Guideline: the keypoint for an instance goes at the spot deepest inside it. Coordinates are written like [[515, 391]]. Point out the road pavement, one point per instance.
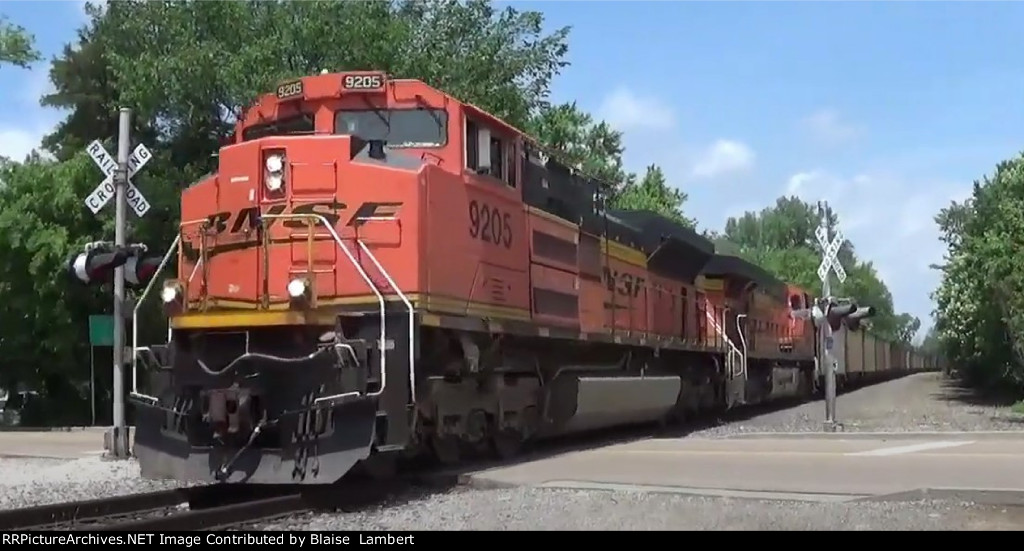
[[57, 444], [837, 467]]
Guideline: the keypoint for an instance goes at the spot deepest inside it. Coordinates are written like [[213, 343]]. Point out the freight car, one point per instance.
[[378, 270]]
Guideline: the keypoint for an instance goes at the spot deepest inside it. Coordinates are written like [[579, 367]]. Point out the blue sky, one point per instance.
[[888, 110]]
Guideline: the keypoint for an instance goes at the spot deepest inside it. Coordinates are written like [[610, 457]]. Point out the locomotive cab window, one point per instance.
[[488, 153], [795, 302], [395, 127], [291, 126]]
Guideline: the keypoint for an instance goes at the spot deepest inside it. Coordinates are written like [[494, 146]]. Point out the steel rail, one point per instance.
[[42, 516], [215, 517]]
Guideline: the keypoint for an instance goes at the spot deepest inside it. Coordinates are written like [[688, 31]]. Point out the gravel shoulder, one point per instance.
[[33, 481], [918, 402], [551, 509]]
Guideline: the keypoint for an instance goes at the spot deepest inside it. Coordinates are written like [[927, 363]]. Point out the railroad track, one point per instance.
[[201, 508], [103, 513]]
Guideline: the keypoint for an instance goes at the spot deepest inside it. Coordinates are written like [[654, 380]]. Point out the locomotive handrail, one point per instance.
[[731, 347], [743, 341], [367, 280], [412, 319], [135, 322], [201, 262]]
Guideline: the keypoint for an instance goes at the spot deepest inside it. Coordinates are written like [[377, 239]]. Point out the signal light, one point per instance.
[[835, 313], [853, 320], [97, 265], [139, 270]]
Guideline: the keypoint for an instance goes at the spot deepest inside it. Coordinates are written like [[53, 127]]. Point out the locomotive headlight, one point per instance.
[[297, 288], [274, 177], [300, 293], [275, 163], [173, 296], [168, 294]]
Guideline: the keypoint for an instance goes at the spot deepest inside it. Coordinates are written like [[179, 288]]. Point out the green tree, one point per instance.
[[16, 44], [654, 194], [592, 147], [42, 337], [980, 300]]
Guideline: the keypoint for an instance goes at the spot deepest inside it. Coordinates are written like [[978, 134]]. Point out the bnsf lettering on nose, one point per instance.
[[247, 219]]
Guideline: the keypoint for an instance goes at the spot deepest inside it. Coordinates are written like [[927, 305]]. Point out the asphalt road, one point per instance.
[[823, 467]]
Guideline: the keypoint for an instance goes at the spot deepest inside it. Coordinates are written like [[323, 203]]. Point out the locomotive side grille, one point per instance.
[[547, 245]]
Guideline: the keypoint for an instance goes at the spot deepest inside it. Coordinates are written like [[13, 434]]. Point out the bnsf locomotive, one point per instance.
[[379, 270]]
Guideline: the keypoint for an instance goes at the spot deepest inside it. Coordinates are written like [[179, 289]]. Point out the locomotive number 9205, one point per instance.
[[490, 224]]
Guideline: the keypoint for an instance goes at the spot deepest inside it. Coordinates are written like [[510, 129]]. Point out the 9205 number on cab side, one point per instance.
[[490, 224]]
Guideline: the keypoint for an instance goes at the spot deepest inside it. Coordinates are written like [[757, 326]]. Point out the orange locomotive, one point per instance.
[[378, 269]]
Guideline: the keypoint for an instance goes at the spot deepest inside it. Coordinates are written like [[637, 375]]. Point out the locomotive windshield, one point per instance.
[[297, 125], [396, 127]]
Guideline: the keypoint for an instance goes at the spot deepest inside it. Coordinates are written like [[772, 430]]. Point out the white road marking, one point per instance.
[[899, 450]]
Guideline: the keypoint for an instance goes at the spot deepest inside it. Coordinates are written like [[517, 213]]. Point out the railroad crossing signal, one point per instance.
[[106, 191], [830, 258]]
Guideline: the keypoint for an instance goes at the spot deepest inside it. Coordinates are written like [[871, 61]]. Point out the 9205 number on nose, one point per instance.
[[490, 224]]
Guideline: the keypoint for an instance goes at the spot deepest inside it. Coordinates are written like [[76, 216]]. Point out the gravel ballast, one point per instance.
[[921, 402], [552, 509], [35, 481]]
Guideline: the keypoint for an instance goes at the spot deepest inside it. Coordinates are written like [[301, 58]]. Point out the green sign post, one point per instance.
[[101, 333]]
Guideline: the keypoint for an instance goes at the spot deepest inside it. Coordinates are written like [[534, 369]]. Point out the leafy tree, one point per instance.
[[980, 300], [42, 336], [16, 45], [595, 148], [654, 194]]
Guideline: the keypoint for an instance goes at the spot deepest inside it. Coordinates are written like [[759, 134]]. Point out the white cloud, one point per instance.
[[16, 143], [828, 126], [625, 110], [723, 157]]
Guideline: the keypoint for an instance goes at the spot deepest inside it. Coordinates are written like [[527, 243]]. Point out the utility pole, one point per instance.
[[119, 434]]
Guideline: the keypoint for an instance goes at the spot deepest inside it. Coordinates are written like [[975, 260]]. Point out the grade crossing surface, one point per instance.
[[55, 444], [840, 466]]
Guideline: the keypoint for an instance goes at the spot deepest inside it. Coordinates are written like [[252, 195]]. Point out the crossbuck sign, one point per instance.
[[829, 259], [105, 191]]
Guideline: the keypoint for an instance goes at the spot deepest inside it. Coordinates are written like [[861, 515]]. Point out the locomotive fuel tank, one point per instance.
[[581, 402]]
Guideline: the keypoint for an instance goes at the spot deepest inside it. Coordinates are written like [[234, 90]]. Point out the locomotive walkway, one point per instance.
[[981, 466]]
